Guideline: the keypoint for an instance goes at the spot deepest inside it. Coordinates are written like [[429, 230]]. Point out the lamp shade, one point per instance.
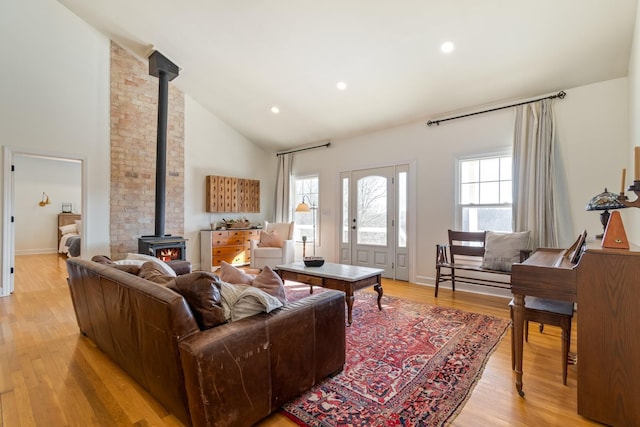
[[303, 207], [604, 201]]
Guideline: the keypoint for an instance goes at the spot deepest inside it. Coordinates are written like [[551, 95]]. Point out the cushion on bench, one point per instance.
[[503, 249]]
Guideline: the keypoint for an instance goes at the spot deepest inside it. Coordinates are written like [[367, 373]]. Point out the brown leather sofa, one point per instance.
[[233, 374]]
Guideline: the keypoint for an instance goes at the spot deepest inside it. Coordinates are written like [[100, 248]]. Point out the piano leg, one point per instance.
[[517, 337]]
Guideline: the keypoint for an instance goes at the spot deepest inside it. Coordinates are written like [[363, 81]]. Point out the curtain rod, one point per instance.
[[282, 153], [560, 95]]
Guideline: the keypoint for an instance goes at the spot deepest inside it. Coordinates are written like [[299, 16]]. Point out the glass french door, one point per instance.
[[373, 232]]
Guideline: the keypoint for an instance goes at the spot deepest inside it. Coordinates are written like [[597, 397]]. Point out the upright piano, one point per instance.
[[605, 283]]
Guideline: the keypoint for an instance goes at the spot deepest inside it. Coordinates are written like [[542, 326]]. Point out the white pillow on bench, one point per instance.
[[503, 249]]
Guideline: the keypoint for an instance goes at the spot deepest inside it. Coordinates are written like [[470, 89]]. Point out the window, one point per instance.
[[402, 209], [345, 210], [305, 189], [484, 193]]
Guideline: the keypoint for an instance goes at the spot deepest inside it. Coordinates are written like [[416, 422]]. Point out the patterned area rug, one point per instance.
[[410, 364]]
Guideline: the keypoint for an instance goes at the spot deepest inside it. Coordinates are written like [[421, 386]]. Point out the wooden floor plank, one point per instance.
[[48, 370]]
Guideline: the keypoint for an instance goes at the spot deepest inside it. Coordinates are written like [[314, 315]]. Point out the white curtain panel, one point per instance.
[[534, 205], [282, 210]]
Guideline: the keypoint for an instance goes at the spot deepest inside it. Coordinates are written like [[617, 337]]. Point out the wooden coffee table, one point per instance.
[[342, 277]]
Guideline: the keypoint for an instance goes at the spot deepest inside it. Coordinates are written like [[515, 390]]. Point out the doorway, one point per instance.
[[374, 220], [14, 211]]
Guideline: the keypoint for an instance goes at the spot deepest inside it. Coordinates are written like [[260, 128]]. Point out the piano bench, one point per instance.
[[549, 312]]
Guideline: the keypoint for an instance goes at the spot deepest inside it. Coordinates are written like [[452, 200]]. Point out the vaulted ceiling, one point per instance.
[[239, 59]]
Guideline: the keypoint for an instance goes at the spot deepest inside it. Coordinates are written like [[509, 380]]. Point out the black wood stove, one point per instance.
[[167, 248], [160, 245]]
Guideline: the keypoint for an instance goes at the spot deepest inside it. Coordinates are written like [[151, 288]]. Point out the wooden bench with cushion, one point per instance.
[[479, 253]]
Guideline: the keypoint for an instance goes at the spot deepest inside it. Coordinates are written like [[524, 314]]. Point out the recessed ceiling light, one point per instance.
[[275, 110], [341, 86], [447, 47]]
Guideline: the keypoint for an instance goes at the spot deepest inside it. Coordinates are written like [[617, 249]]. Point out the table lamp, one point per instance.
[[604, 201]]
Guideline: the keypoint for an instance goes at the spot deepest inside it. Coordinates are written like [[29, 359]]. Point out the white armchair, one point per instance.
[[272, 256]]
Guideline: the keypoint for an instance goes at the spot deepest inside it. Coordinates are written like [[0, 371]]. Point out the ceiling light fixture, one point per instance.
[[275, 110], [447, 47], [341, 86]]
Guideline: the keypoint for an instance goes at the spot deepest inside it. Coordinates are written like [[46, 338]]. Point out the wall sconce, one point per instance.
[[45, 200]]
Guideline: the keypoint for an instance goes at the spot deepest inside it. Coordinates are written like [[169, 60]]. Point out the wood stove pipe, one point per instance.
[[165, 70]]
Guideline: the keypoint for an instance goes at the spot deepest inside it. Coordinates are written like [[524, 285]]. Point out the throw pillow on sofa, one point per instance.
[[240, 301], [230, 274], [127, 268], [267, 280], [142, 257], [270, 282], [253, 301], [154, 273], [201, 290]]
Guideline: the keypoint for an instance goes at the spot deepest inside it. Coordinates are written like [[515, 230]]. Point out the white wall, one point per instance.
[[214, 148], [55, 97], [593, 131], [55, 100], [592, 138], [631, 217], [36, 227]]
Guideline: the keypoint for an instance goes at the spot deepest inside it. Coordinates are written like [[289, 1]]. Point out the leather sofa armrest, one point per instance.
[[180, 266], [253, 360]]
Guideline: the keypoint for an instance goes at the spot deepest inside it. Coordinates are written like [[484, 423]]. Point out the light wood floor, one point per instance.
[[50, 375]]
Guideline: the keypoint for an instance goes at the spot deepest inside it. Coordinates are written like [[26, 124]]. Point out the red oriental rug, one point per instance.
[[410, 364]]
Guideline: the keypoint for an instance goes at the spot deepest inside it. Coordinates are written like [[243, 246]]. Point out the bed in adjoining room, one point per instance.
[[69, 234]]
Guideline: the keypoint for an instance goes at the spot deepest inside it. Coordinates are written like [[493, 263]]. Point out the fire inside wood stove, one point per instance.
[[169, 254], [167, 248]]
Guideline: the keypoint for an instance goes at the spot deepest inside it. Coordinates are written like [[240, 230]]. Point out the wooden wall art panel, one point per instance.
[[227, 194]]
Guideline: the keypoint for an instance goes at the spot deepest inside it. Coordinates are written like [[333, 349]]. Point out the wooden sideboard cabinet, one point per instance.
[[231, 246], [608, 342]]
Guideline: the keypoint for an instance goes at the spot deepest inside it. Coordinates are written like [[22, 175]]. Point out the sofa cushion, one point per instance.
[[229, 294], [127, 268], [270, 282], [503, 249], [201, 290], [253, 301], [145, 258], [270, 239], [240, 301], [154, 273], [102, 259], [230, 274]]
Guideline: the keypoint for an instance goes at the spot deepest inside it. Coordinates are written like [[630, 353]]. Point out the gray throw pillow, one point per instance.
[[503, 249]]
